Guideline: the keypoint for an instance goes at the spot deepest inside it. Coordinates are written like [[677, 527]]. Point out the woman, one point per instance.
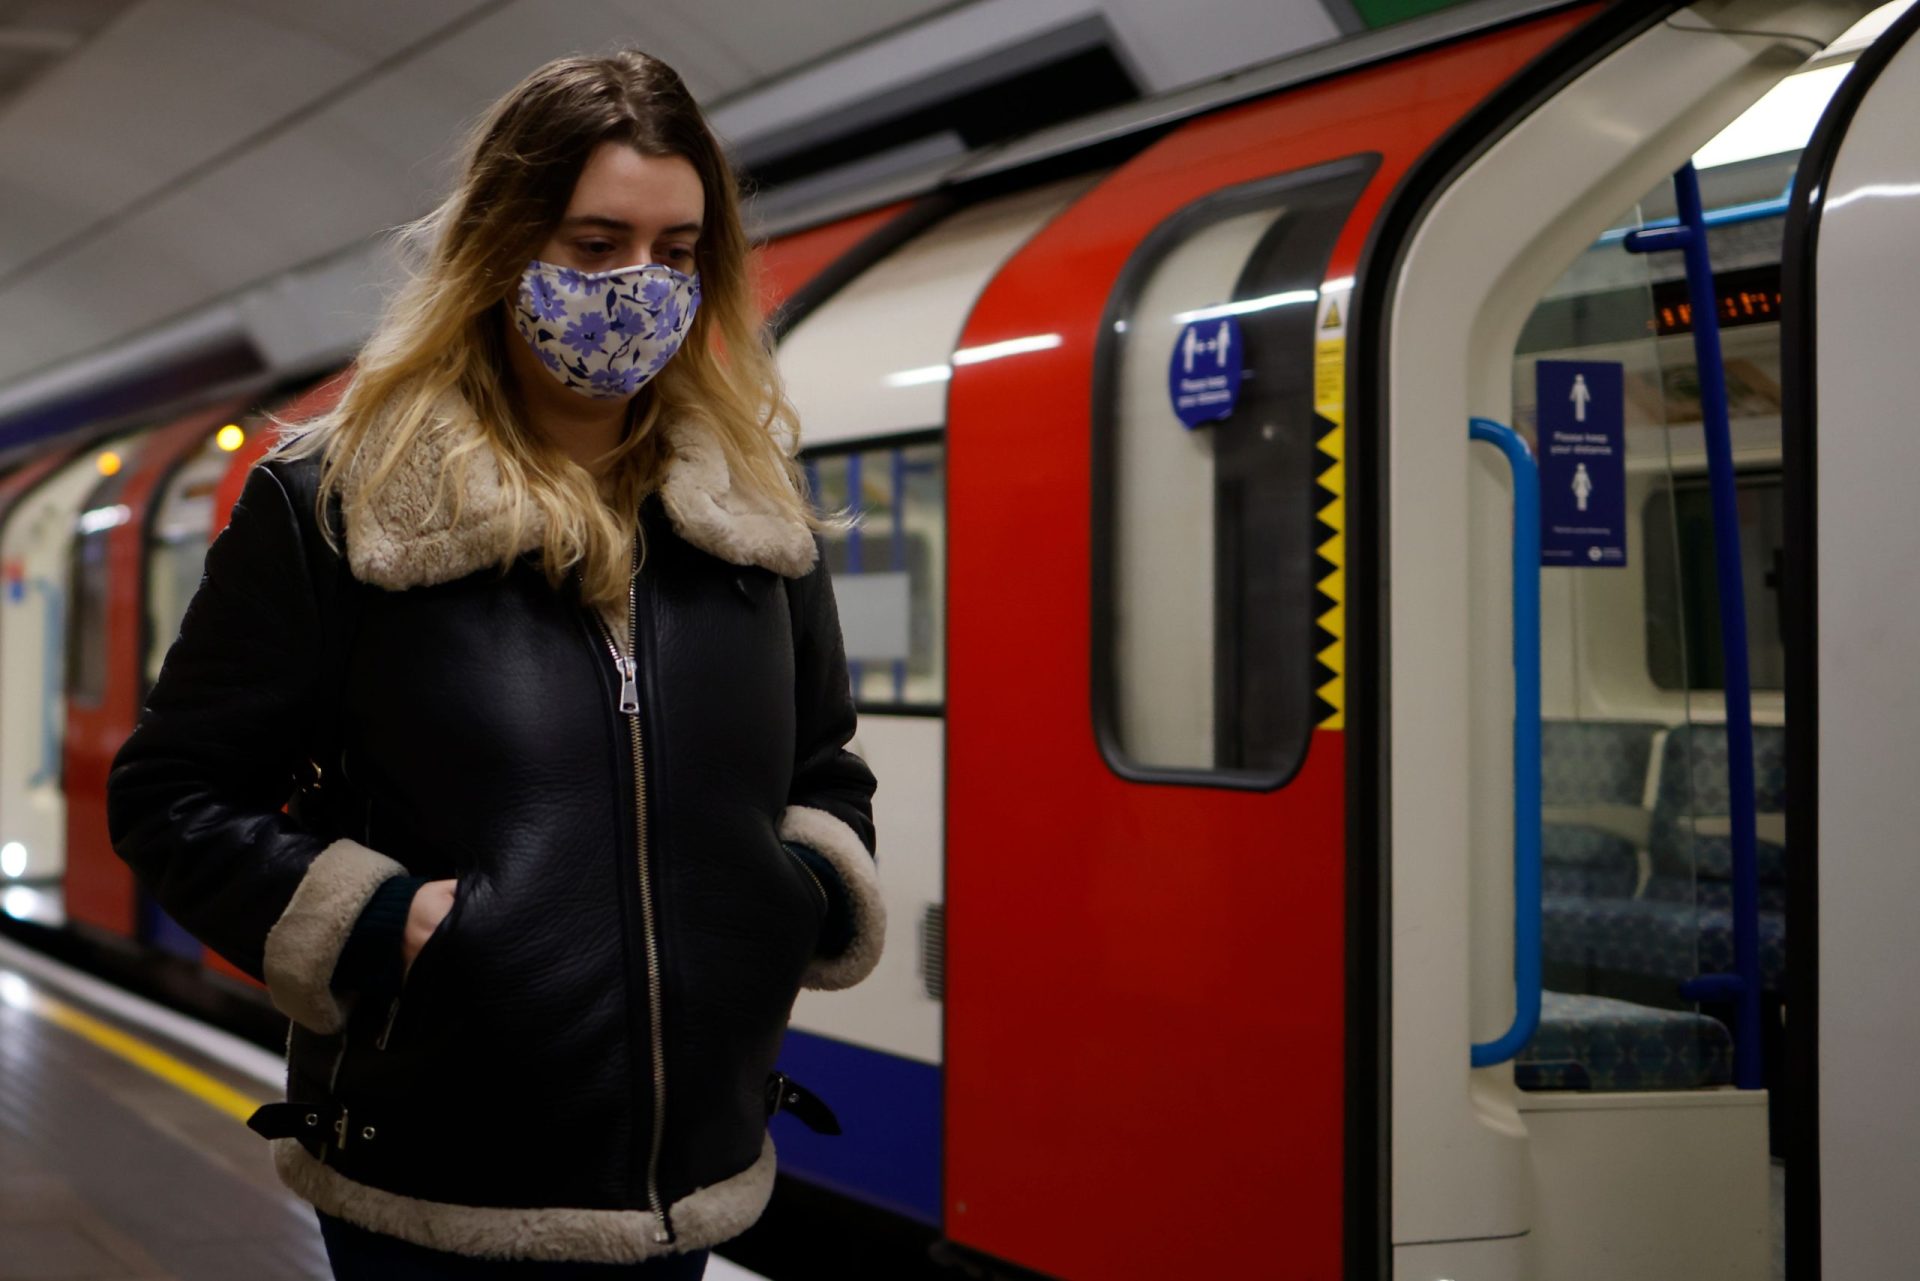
[[536, 622]]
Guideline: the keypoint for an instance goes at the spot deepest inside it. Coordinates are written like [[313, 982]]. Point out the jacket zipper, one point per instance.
[[393, 1011], [629, 706], [825, 902]]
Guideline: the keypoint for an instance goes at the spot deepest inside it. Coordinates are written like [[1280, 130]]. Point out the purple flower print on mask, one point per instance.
[[605, 333], [586, 335], [615, 382], [629, 323], [543, 300]]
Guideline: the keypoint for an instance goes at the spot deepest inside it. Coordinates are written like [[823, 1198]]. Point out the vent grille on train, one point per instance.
[[933, 951]]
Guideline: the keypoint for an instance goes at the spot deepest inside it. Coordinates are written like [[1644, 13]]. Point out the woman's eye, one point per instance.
[[595, 248]]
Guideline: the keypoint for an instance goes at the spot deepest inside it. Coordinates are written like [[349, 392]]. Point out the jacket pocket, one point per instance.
[[817, 890], [416, 989]]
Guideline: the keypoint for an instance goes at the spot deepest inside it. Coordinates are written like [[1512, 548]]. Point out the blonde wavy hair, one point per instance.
[[441, 331]]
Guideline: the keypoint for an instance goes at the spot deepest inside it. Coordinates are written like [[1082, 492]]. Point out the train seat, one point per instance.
[[1678, 921], [1652, 938], [1593, 786], [1599, 1043], [1691, 837]]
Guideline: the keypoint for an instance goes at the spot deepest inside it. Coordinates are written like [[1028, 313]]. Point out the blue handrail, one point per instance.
[[1731, 215], [1526, 743], [1690, 238]]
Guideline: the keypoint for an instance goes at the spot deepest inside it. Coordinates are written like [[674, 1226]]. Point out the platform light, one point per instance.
[[15, 991], [24, 903], [230, 437], [108, 462], [13, 859], [92, 522]]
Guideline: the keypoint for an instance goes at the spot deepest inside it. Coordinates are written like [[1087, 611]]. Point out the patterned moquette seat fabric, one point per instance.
[[1598, 1043], [1692, 843], [1591, 771]]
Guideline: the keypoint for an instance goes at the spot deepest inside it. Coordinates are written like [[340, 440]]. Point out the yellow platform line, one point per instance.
[[214, 1093]]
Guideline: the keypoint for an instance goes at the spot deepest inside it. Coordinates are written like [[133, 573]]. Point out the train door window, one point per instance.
[[89, 587], [1690, 655], [177, 543], [889, 570], [1209, 551]]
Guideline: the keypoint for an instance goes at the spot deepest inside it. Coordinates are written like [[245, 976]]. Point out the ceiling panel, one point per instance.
[[161, 94], [185, 152], [36, 35]]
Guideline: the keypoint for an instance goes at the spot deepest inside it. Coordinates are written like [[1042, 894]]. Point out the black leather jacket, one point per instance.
[[579, 1063]]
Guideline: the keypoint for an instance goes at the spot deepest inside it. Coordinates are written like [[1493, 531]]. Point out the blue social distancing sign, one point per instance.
[[1203, 378], [1583, 463]]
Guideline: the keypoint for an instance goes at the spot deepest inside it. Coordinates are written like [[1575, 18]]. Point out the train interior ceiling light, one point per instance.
[[1783, 120]]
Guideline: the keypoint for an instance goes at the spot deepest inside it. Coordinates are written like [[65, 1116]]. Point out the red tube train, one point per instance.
[[1180, 621]]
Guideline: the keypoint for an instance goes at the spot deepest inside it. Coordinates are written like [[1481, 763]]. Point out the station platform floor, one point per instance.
[[124, 1152]]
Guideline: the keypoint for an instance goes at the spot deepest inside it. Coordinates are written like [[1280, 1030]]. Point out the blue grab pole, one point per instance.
[[1526, 743], [1690, 238]]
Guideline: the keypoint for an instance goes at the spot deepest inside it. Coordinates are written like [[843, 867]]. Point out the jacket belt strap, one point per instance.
[[333, 1122], [807, 1107]]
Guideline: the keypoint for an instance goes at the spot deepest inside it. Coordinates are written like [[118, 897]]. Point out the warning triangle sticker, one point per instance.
[[1332, 318]]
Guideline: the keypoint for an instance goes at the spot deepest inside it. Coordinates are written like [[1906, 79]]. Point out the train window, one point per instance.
[[87, 627], [1205, 542], [90, 575], [889, 571], [1684, 649], [177, 546]]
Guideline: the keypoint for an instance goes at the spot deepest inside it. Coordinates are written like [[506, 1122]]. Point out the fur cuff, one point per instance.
[[821, 831], [304, 944], [701, 1219]]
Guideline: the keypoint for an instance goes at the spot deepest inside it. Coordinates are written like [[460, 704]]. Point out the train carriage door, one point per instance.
[[1150, 1071], [1853, 270], [1566, 898], [878, 304], [37, 545], [106, 668]]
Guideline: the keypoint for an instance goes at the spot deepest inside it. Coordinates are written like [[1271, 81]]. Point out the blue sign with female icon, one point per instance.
[[1583, 463]]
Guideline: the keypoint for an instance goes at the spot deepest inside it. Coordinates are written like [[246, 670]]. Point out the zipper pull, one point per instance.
[[629, 688]]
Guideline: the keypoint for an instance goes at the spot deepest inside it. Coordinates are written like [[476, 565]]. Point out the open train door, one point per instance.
[[1852, 270], [1543, 905], [1160, 1027]]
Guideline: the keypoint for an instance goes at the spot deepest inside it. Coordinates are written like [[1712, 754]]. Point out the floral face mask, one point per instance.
[[605, 333]]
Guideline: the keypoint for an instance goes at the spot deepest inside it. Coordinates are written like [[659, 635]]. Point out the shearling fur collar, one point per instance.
[[408, 539]]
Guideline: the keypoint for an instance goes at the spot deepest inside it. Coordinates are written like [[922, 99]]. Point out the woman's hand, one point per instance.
[[431, 903]]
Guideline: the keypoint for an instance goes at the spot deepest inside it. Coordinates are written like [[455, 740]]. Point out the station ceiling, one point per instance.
[[161, 157]]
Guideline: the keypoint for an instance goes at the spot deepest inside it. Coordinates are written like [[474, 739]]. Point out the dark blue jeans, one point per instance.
[[359, 1255]]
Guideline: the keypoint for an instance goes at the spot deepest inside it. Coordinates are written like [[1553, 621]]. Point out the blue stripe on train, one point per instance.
[[889, 1108]]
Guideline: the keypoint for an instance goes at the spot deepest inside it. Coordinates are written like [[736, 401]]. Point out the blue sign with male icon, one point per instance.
[[1583, 463]]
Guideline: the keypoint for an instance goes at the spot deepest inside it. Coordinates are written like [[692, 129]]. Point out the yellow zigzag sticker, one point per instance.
[[1330, 402]]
